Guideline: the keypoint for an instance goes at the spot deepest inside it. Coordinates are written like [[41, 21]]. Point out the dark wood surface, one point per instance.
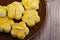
[[33, 30]]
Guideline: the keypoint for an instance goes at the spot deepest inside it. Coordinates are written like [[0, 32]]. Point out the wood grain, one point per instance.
[[51, 29]]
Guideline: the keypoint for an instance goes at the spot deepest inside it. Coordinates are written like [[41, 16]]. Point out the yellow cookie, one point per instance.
[[3, 11], [30, 17], [31, 4]]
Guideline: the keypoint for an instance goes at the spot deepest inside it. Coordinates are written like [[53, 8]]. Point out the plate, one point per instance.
[[33, 30]]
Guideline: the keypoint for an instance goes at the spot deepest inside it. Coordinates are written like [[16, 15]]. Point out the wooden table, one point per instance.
[[51, 30]]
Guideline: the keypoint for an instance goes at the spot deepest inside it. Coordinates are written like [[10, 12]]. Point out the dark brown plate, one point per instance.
[[33, 30]]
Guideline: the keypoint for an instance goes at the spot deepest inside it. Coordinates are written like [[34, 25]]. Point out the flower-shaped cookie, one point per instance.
[[15, 10], [2, 11], [19, 30], [30, 17], [31, 4], [5, 24]]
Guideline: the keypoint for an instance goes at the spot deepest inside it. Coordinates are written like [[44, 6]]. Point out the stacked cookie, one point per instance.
[[24, 11]]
